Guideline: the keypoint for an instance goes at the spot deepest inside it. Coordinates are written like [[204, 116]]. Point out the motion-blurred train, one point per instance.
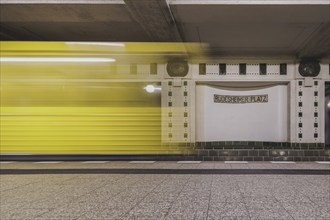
[[84, 98]]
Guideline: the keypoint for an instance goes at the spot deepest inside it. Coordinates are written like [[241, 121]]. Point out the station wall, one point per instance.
[[254, 121]]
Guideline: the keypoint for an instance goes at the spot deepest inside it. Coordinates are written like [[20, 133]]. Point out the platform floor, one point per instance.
[[303, 194]]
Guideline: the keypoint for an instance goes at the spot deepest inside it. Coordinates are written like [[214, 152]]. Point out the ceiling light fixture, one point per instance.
[[97, 44], [151, 88], [57, 59]]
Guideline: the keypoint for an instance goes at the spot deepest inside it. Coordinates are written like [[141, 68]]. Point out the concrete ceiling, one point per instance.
[[231, 28]]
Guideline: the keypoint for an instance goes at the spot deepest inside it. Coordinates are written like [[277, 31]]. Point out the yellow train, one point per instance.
[[81, 98]]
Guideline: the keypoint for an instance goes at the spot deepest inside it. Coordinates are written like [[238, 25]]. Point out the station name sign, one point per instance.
[[240, 99]]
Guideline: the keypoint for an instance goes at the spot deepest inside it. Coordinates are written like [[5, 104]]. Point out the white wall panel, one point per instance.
[[242, 122]]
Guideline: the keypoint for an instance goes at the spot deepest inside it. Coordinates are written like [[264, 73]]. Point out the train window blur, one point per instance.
[[86, 97], [56, 92]]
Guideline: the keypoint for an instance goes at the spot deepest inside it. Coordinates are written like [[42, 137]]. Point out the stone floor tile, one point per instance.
[[187, 166], [259, 165], [290, 196], [161, 197], [75, 208], [228, 211], [292, 199], [226, 197], [22, 214], [269, 214], [110, 211], [321, 201], [255, 201], [235, 218], [324, 211], [137, 196], [254, 192], [304, 210], [221, 165], [148, 210], [206, 165], [69, 212], [239, 166], [179, 214], [189, 205], [165, 165], [265, 208]]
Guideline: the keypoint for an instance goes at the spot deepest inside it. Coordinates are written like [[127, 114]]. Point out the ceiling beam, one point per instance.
[[248, 2], [155, 18], [6, 34], [317, 45], [62, 2], [12, 33]]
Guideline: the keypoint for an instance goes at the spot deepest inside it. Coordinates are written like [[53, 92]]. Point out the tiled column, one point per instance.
[[178, 104]]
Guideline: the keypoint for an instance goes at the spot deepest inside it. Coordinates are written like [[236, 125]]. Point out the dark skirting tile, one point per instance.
[[322, 153], [214, 143], [273, 144], [321, 145], [208, 144], [208, 147], [300, 153], [247, 158], [198, 158], [320, 158], [253, 153], [231, 158], [213, 153], [242, 153], [295, 146], [313, 158], [316, 153], [233, 153], [304, 158], [293, 153], [203, 152], [219, 158], [266, 144], [312, 146], [189, 158], [263, 153], [258, 158], [241, 147], [289, 158], [228, 146], [304, 146], [308, 153], [268, 158], [278, 158], [224, 152], [218, 147], [277, 153], [208, 158], [297, 158]]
